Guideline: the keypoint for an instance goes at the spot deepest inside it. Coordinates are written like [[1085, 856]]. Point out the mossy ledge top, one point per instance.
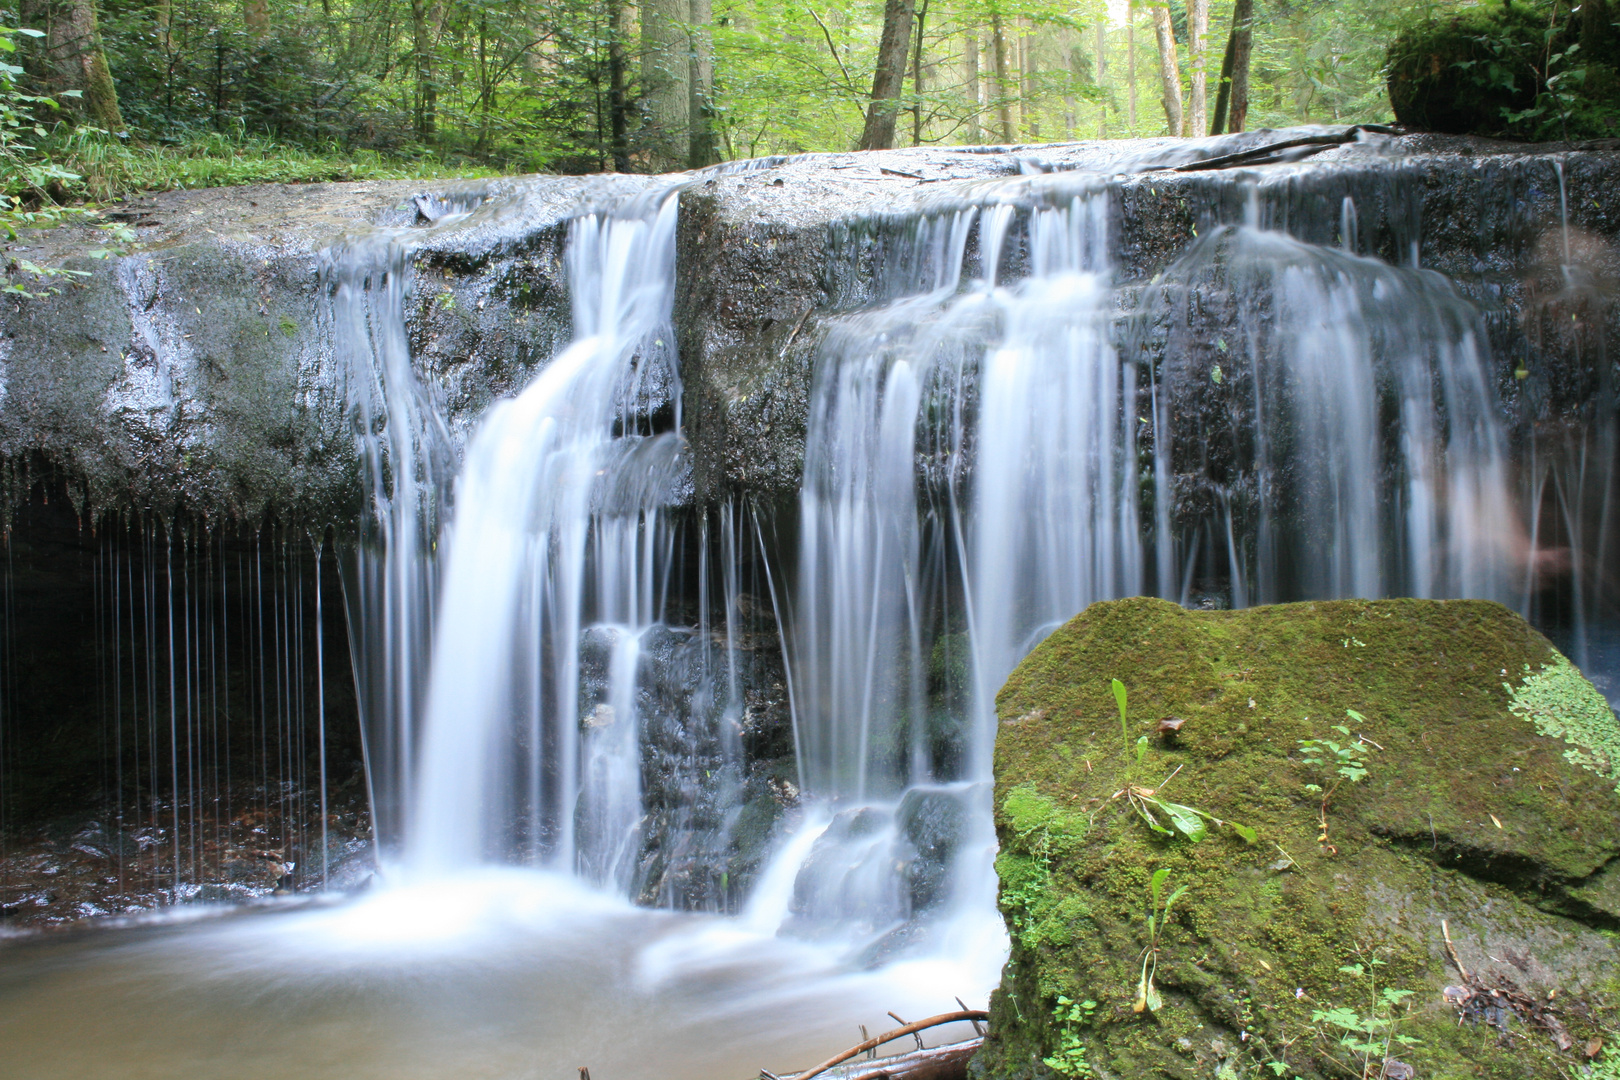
[[1488, 807]]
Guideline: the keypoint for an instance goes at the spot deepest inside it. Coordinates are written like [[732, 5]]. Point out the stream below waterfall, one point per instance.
[[560, 664]]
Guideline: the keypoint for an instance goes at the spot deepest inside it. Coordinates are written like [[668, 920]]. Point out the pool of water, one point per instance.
[[495, 974]]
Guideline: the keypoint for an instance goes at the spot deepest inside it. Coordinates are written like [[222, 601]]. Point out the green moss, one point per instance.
[[1467, 813], [1504, 70], [1560, 702]]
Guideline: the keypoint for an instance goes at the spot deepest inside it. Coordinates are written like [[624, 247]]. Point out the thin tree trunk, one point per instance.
[[998, 58], [1130, 63], [1232, 97], [1102, 75], [704, 147], [70, 57], [970, 52], [1031, 121], [917, 77], [1597, 29], [427, 90], [256, 17], [888, 81], [1197, 31], [618, 107], [1169, 68], [665, 74], [1238, 111]]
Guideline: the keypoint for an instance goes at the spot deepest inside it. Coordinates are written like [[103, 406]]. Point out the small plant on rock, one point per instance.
[[1179, 819], [1147, 995], [1344, 763], [1070, 1058], [1369, 1038]]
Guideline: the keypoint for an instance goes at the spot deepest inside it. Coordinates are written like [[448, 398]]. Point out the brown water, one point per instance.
[[504, 975]]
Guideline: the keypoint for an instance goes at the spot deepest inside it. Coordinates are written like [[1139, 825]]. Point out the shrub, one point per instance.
[[1514, 70]]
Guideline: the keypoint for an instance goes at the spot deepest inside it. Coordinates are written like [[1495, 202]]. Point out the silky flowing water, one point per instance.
[[1011, 432]]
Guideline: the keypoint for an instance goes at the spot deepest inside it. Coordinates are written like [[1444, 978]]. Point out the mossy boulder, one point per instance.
[[1480, 802], [1510, 70]]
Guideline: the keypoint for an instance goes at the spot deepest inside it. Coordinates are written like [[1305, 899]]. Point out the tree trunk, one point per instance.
[[1197, 31], [1102, 75], [618, 107], [1232, 99], [998, 59], [1597, 31], [970, 51], [1130, 63], [889, 79], [70, 57], [427, 90], [1169, 68], [917, 77], [1026, 87], [704, 147], [256, 17], [665, 74]]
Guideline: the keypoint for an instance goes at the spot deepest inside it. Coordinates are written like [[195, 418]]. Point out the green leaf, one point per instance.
[[1171, 902], [1353, 969], [1141, 748], [1244, 831], [1119, 697], [28, 31], [1185, 820], [1357, 717], [1395, 997], [1156, 883]]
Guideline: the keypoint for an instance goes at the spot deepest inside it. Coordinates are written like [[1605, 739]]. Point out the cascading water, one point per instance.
[[1013, 431], [1269, 421]]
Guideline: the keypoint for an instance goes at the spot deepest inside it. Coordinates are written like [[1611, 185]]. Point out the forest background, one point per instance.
[[108, 96]]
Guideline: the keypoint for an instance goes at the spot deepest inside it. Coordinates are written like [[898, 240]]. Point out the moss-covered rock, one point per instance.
[[1479, 799], [1510, 70]]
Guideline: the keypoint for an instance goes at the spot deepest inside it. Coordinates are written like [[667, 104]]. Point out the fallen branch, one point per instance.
[[890, 1036], [948, 1062], [1243, 157]]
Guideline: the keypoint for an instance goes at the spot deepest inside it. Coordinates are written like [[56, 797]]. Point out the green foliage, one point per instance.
[[1369, 1036], [1562, 704], [1512, 70], [1119, 699], [1041, 831], [1070, 1018], [1180, 819], [1327, 755], [1147, 995]]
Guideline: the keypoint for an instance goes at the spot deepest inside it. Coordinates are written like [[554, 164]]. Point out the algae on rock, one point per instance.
[[1469, 817]]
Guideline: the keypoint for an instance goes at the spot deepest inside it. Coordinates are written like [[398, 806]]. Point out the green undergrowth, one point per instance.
[[109, 167], [1389, 784], [1562, 704]]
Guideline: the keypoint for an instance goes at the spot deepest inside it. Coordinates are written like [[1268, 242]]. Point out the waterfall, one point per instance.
[[1268, 420], [548, 549]]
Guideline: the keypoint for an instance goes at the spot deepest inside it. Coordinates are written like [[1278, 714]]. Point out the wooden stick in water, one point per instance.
[[898, 1033]]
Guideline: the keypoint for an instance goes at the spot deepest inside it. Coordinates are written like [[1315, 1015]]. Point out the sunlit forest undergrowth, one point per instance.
[[107, 98]]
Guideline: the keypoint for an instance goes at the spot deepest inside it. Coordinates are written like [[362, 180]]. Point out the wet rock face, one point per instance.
[[1433, 793], [198, 371]]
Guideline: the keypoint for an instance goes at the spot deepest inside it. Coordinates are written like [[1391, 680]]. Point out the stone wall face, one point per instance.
[[197, 371]]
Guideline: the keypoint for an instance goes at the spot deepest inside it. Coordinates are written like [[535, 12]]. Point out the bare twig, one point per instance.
[[890, 1036], [1445, 932], [978, 1029], [897, 172], [849, 84], [914, 1035], [796, 328]]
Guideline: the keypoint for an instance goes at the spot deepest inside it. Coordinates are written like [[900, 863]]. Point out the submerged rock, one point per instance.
[[1433, 883]]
